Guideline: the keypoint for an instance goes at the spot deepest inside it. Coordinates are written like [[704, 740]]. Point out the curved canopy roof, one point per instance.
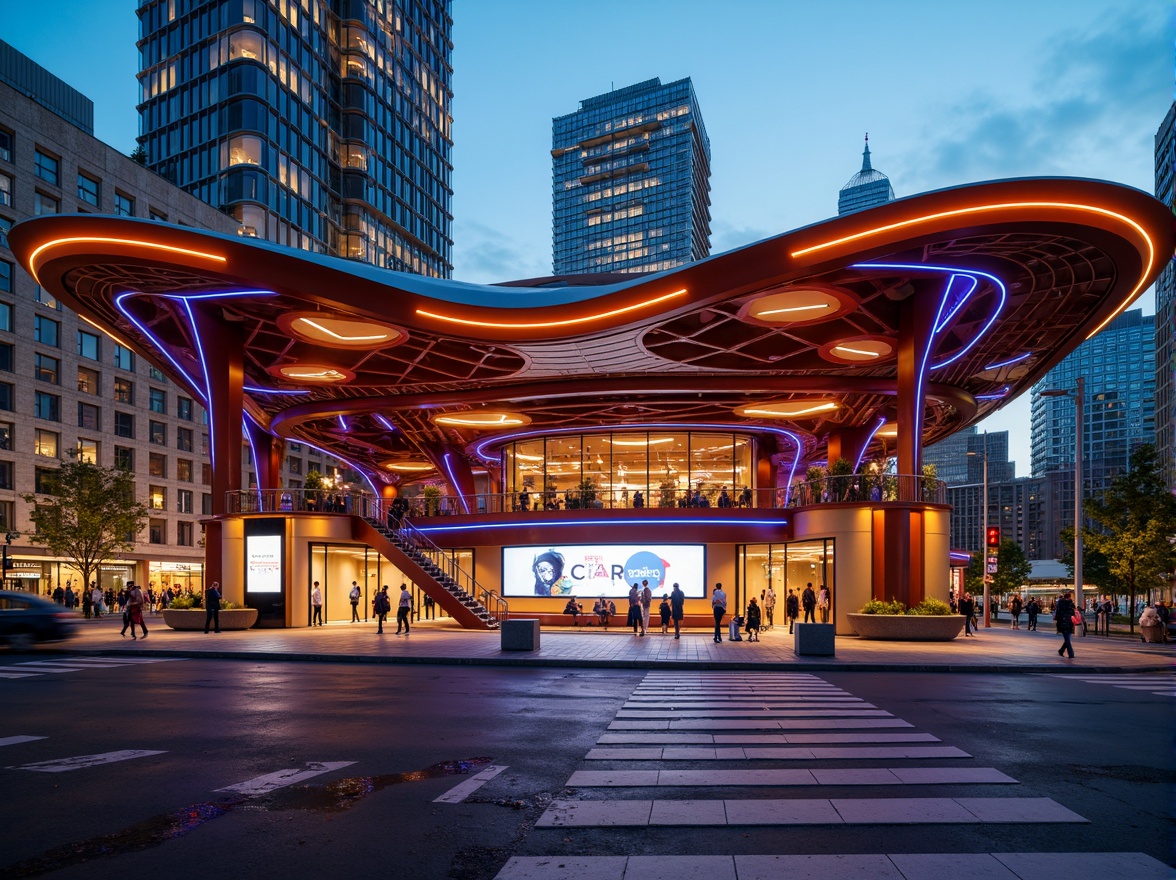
[[798, 335]]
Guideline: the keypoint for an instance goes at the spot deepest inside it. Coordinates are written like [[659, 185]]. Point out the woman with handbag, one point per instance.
[[1064, 617]]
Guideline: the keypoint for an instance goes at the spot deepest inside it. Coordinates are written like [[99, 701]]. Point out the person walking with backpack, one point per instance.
[[719, 606], [403, 609], [381, 605], [1064, 616], [792, 609], [354, 597]]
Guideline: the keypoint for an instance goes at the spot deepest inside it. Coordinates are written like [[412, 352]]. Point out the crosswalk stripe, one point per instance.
[[272, 781], [735, 753], [764, 778], [762, 713], [781, 739], [61, 765], [18, 674], [759, 723], [17, 740], [463, 790]]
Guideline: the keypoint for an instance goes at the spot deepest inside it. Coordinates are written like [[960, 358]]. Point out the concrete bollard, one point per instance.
[[520, 635]]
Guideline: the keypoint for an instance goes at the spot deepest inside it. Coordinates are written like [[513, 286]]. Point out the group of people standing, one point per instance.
[[382, 607]]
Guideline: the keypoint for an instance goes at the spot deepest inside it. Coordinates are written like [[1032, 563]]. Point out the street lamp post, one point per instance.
[[1079, 395], [984, 536]]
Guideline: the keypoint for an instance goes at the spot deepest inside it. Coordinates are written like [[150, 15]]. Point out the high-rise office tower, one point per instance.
[[960, 458], [867, 188], [1118, 366], [1166, 309], [631, 181], [319, 124]]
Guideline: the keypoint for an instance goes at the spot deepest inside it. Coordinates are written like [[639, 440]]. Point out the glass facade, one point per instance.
[[783, 568], [865, 189], [1166, 308], [638, 469], [631, 181], [319, 125]]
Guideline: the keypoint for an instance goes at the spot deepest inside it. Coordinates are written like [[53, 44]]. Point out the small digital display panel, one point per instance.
[[263, 564]]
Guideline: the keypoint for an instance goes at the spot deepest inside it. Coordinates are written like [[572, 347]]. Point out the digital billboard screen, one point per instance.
[[603, 569], [263, 563]]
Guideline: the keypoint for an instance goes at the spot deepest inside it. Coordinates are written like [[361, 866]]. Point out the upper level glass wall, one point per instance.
[[635, 469]]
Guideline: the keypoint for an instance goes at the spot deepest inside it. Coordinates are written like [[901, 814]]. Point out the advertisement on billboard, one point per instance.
[[263, 563], [603, 569]]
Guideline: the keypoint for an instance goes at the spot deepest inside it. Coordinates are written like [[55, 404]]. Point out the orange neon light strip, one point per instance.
[[978, 209], [540, 324], [97, 326], [98, 239]]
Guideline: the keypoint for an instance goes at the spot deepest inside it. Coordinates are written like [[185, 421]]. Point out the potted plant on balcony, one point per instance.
[[931, 620], [186, 613]]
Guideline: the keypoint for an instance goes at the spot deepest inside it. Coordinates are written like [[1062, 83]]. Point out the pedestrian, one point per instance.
[[135, 607], [646, 601], [677, 602], [87, 604], [573, 608], [429, 604], [770, 606], [69, 595], [1164, 613], [403, 609], [968, 610], [381, 605], [753, 620], [212, 603], [1064, 617], [354, 597], [823, 603], [664, 611], [1032, 608], [600, 609], [316, 605], [719, 606], [808, 601], [635, 619], [1015, 611], [792, 609], [96, 600]]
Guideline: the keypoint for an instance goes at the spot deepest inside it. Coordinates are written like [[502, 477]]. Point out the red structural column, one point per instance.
[[849, 443], [916, 323], [268, 451], [454, 467]]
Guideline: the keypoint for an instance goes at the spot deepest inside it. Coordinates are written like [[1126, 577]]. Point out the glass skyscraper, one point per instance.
[[867, 188], [631, 181], [1166, 309], [318, 124]]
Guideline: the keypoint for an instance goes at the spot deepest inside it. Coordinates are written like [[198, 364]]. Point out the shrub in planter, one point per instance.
[[929, 621]]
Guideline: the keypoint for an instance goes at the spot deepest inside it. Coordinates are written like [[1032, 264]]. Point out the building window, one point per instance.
[[89, 381], [7, 515], [157, 531], [5, 225], [184, 408], [156, 497], [124, 457], [6, 284], [47, 407], [6, 396], [45, 298], [46, 331], [5, 308], [7, 356], [5, 190], [43, 480], [156, 374], [45, 204], [88, 189], [124, 390], [6, 470], [89, 417], [124, 358], [206, 473], [184, 439], [5, 145], [124, 425], [206, 504], [88, 346], [88, 451], [45, 442], [184, 470], [157, 465], [157, 433], [184, 501], [157, 400], [6, 435], [293, 464], [184, 534], [156, 215], [45, 368], [124, 205], [47, 167]]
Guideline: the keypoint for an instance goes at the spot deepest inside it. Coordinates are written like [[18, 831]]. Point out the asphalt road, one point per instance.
[[414, 733]]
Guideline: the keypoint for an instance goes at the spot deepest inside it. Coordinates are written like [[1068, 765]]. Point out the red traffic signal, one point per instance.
[[992, 536]]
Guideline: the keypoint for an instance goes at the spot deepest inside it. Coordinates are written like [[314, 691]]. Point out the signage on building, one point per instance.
[[592, 570]]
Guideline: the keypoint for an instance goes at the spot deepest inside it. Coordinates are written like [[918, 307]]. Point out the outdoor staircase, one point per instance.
[[433, 570]]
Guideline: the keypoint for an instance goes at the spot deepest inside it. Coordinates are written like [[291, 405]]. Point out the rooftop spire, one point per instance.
[[866, 155]]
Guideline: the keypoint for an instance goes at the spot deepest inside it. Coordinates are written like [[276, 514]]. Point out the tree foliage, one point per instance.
[[87, 514], [1135, 523], [1012, 569]]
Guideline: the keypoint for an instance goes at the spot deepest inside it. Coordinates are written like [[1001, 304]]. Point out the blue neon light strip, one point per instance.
[[1010, 361], [607, 522], [857, 464], [383, 421], [253, 389], [996, 395], [343, 423], [961, 301]]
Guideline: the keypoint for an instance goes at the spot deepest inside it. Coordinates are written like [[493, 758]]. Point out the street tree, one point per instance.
[[1012, 568], [87, 514], [1134, 523]]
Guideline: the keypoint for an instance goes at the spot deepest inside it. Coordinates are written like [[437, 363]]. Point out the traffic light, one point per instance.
[[992, 537]]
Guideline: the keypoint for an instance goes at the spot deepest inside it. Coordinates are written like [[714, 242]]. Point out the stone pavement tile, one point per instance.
[[818, 867], [1084, 866], [639, 725], [650, 738], [902, 811], [859, 776], [573, 814], [680, 868], [940, 775], [691, 812], [736, 777], [826, 738], [563, 868], [859, 752], [624, 754], [786, 811], [1018, 810], [957, 866], [613, 778], [787, 753]]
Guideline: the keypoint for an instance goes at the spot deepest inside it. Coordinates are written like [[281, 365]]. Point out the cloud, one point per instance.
[[1097, 98], [483, 254], [726, 237]]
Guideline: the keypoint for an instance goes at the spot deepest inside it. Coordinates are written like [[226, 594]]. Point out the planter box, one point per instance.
[[907, 627], [193, 618]]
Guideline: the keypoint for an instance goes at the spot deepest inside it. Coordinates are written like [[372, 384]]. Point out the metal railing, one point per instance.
[[446, 561], [866, 488], [362, 504]]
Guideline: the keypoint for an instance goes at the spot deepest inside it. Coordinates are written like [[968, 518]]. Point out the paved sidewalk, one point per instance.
[[998, 649]]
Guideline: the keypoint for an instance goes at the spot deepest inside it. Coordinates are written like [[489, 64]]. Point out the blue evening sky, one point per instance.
[[950, 92]]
